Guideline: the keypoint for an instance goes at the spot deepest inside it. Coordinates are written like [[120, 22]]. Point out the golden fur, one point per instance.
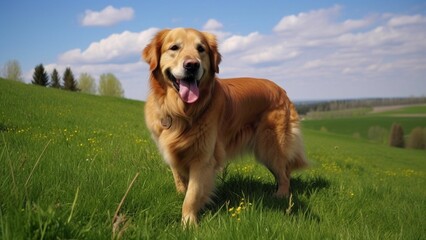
[[198, 121]]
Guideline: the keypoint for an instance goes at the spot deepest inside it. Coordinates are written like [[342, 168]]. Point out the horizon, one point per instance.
[[295, 101]]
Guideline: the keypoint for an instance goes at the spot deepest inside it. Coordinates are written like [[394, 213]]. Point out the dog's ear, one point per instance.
[[151, 53], [215, 56]]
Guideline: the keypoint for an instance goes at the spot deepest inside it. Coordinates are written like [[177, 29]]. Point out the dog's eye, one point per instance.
[[174, 47], [200, 48]]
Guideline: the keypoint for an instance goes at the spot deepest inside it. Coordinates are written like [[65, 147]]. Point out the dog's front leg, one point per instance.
[[200, 187], [181, 181]]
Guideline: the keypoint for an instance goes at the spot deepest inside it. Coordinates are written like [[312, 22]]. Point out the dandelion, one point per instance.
[[92, 141], [332, 167], [410, 172], [21, 130], [236, 211], [390, 173]]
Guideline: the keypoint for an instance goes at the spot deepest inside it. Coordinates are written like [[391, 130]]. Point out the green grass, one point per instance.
[[67, 159]]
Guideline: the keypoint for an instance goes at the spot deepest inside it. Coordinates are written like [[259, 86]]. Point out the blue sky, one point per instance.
[[313, 49]]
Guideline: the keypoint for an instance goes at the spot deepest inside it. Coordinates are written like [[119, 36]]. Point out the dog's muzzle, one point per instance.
[[188, 85]]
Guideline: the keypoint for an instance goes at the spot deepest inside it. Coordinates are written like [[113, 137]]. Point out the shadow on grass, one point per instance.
[[231, 191], [3, 127]]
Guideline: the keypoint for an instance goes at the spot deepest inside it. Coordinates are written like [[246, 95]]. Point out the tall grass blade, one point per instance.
[[6, 150], [119, 220], [35, 165], [73, 205]]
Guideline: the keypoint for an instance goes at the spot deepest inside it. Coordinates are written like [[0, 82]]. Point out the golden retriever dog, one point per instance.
[[198, 121]]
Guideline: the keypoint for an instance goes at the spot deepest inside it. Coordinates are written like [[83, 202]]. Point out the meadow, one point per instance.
[[77, 166], [358, 125]]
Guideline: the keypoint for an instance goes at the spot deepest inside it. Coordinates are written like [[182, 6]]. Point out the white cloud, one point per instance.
[[212, 25], [308, 22], [107, 16], [316, 48], [239, 43], [119, 54], [112, 48], [406, 20], [215, 27], [270, 54], [318, 23], [313, 54]]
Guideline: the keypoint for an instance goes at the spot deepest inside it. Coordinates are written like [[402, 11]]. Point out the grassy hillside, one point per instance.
[[67, 159]]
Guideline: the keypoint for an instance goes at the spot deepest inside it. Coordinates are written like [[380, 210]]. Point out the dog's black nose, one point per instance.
[[191, 65]]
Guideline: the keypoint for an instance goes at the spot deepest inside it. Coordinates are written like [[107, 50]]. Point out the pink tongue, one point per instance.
[[188, 91]]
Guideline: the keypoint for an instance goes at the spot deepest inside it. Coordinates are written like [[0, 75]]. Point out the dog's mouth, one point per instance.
[[187, 87]]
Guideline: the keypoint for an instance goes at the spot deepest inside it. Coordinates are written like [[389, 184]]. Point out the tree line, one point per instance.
[[109, 84]]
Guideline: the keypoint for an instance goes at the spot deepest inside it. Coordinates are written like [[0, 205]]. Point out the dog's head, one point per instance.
[[185, 60]]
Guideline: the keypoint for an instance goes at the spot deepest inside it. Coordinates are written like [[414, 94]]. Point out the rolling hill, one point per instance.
[[67, 159]]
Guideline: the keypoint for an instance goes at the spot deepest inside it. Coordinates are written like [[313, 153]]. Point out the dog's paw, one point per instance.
[[189, 221], [281, 194]]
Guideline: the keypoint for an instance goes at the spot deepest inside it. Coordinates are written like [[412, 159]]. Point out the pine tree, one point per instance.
[[396, 138], [69, 81], [55, 79], [40, 76]]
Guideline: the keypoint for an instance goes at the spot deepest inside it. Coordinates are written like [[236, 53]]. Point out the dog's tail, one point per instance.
[[298, 159]]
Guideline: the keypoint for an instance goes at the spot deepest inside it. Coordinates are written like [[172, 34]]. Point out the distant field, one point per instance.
[[408, 117], [415, 109], [409, 111], [67, 159]]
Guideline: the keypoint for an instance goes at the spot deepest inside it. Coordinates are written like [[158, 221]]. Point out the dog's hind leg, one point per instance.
[[200, 188], [272, 147], [279, 168], [269, 152]]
